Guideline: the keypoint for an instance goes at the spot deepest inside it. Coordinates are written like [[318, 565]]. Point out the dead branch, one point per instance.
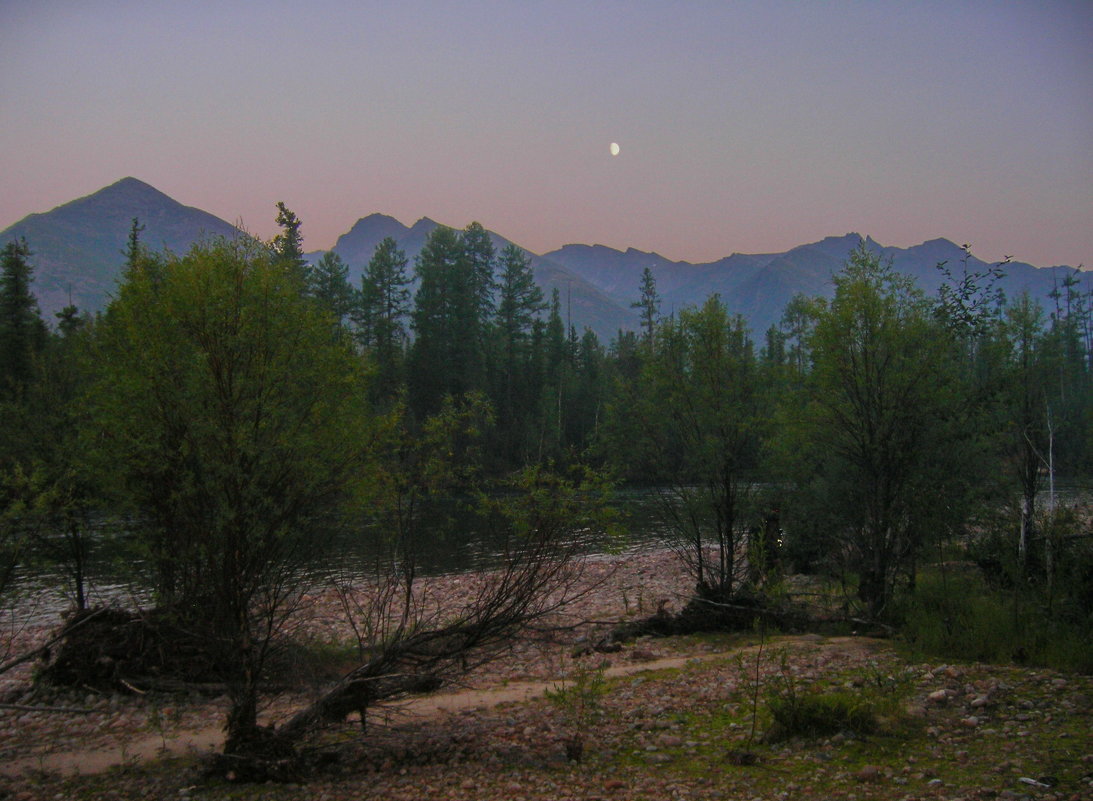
[[43, 649], [63, 710], [422, 653]]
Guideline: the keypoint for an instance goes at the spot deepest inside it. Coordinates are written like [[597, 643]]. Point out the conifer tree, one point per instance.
[[479, 252], [330, 287], [288, 246], [382, 308], [441, 361], [22, 331], [649, 304], [521, 302]]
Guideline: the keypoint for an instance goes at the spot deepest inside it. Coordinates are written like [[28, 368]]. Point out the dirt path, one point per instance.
[[211, 738]]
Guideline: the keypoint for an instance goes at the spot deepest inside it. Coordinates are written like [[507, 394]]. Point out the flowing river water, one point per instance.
[[116, 573]]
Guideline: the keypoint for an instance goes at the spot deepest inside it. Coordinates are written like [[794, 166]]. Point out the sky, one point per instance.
[[743, 126]]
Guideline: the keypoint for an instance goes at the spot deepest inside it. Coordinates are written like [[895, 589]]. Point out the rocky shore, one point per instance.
[[679, 718]]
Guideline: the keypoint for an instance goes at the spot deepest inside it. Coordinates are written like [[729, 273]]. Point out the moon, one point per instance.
[[614, 148]]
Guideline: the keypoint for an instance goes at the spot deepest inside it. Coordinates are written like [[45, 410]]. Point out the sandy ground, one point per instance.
[[673, 725], [111, 730]]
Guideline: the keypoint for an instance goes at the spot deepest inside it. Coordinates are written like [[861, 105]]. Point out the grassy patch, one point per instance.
[[957, 616], [819, 714]]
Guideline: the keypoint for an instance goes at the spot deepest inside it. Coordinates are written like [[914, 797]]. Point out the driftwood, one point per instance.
[[706, 615], [63, 710], [430, 658], [41, 650], [116, 650]]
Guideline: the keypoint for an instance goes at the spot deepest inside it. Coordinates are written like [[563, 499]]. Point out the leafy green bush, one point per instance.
[[819, 714], [959, 615], [797, 711]]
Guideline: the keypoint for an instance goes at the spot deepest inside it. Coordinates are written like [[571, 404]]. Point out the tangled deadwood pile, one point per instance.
[[118, 650]]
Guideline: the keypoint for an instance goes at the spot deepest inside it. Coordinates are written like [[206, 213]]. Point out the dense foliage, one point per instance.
[[234, 397]]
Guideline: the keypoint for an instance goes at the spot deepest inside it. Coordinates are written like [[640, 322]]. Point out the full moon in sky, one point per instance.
[[614, 148]]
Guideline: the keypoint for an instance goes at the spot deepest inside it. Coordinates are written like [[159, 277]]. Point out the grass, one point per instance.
[[820, 714], [957, 616]]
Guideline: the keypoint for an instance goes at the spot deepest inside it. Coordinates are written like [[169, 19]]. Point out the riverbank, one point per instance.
[[612, 588], [675, 722]]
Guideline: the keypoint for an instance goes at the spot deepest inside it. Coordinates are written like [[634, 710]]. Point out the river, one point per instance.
[[116, 575]]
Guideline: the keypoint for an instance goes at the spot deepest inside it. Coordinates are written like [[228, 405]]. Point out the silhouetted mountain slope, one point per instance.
[[79, 247], [583, 302], [758, 286]]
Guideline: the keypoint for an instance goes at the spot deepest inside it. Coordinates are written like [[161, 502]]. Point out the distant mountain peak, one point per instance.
[[374, 222], [79, 248], [130, 182], [376, 217], [80, 245], [127, 194]]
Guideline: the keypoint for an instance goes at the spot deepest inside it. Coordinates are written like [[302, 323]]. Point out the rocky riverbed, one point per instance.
[[678, 718]]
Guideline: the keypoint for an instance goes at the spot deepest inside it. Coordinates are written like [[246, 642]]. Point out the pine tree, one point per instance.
[[330, 286], [133, 246], [479, 252], [288, 246], [520, 304], [22, 331], [382, 308], [649, 304], [441, 360]]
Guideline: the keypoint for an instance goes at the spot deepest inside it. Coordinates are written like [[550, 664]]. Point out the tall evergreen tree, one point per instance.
[[649, 305], [22, 331], [288, 246], [443, 357], [382, 307], [480, 255], [521, 302], [330, 287]]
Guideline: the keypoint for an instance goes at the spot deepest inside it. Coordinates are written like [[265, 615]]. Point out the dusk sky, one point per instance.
[[742, 126]]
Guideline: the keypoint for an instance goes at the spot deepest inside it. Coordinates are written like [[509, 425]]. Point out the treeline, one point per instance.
[[871, 429]]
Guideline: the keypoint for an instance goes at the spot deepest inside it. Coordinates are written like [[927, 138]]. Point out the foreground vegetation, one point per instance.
[[239, 405], [733, 722]]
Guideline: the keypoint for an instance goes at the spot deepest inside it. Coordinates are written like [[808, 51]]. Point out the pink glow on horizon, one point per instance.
[[748, 128]]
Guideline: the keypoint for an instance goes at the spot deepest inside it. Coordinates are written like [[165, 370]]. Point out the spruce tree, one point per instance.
[[22, 331], [382, 307], [440, 362], [288, 246], [330, 287], [649, 304], [521, 302]]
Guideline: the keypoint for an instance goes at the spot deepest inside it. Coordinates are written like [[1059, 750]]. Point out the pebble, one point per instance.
[[869, 773]]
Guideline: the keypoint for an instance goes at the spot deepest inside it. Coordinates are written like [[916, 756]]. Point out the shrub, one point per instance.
[[819, 714], [964, 617], [807, 712], [579, 702]]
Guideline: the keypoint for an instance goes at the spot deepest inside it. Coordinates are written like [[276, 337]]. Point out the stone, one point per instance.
[[869, 773]]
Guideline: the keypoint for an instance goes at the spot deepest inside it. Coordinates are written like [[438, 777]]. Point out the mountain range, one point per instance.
[[78, 253]]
